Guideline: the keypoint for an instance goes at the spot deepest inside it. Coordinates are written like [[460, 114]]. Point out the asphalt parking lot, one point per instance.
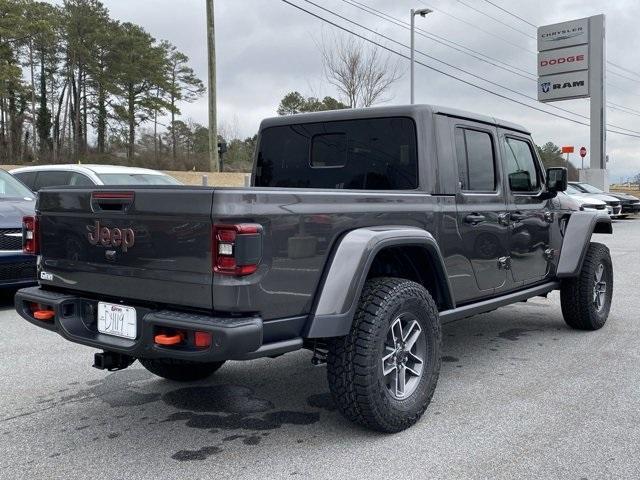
[[520, 396]]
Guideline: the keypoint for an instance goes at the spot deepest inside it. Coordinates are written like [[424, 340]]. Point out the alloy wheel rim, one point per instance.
[[403, 356], [599, 287]]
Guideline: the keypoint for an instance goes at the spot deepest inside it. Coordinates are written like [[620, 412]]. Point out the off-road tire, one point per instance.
[[354, 368], [180, 370], [577, 294]]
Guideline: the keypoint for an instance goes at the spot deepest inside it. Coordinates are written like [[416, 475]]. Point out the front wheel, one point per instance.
[[586, 299], [180, 370], [382, 375]]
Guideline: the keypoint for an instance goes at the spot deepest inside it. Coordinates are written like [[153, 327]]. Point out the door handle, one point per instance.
[[474, 218]]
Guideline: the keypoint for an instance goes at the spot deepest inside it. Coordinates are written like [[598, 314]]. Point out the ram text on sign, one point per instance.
[[569, 59], [563, 86], [565, 34]]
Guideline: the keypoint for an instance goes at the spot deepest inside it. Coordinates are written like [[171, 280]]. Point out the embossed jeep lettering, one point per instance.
[[111, 237]]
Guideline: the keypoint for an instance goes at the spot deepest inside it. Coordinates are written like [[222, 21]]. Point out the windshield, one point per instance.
[[589, 188], [572, 190], [12, 188], [137, 179]]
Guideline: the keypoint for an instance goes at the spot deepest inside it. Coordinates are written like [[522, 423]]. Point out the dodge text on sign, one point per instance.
[[563, 60]]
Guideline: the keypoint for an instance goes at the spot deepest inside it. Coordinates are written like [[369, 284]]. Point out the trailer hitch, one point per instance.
[[112, 361]]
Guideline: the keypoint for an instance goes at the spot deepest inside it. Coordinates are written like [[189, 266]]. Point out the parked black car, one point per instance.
[[16, 201], [364, 232]]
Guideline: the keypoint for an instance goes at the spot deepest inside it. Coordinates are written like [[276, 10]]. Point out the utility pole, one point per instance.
[[214, 161]]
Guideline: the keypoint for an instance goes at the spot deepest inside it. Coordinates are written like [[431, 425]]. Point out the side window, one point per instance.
[[52, 179], [80, 180], [521, 166], [28, 178], [476, 160]]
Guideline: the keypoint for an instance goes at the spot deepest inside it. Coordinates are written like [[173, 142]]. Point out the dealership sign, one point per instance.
[[563, 86], [565, 34], [564, 57], [571, 64], [570, 59]]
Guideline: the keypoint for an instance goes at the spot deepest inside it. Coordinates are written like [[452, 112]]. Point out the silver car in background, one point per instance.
[[587, 204], [613, 205], [40, 176]]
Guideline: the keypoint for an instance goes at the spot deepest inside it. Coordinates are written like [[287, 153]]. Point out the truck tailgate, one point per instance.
[[150, 244]]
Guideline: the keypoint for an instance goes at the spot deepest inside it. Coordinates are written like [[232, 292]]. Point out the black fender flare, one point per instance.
[[339, 293], [577, 236]]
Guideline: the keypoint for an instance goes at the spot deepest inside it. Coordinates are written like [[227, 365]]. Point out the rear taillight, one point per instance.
[[30, 235], [237, 249]]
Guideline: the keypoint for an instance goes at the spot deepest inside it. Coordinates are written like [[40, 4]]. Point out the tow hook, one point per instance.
[[112, 361]]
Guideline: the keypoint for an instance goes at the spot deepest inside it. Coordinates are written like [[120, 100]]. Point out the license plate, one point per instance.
[[117, 320]]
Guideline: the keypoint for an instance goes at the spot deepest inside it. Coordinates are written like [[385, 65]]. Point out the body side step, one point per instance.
[[483, 306]]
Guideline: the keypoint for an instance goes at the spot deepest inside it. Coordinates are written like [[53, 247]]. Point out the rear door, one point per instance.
[[530, 216], [148, 244], [481, 207]]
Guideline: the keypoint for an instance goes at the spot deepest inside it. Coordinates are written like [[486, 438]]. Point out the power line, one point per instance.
[[472, 25], [448, 64], [505, 97], [623, 109], [624, 76], [510, 13], [444, 41], [495, 19], [466, 72], [430, 57], [624, 69], [617, 87]]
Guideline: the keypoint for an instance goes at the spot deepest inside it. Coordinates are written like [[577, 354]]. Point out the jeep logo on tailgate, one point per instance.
[[111, 237]]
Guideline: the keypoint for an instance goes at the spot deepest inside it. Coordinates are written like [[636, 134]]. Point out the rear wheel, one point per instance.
[[382, 375], [180, 370], [586, 299]]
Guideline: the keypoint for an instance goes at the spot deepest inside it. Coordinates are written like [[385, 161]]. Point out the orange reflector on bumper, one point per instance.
[[168, 340], [44, 315]]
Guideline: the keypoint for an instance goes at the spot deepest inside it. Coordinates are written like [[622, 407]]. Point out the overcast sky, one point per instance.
[[267, 48]]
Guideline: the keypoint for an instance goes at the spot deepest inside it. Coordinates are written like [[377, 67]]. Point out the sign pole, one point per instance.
[[598, 101]]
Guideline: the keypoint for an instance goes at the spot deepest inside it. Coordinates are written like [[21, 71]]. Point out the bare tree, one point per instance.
[[361, 73]]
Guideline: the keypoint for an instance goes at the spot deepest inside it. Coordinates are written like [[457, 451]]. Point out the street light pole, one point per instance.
[[423, 12], [214, 159]]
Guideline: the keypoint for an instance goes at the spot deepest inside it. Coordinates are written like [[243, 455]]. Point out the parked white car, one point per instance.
[[41, 176], [588, 204], [612, 205]]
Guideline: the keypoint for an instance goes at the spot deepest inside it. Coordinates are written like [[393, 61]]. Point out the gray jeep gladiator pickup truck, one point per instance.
[[362, 233]]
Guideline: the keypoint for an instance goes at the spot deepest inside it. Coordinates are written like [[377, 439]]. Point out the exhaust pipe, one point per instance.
[[112, 361]]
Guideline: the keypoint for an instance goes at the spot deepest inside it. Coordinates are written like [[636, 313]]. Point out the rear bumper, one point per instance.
[[76, 320]]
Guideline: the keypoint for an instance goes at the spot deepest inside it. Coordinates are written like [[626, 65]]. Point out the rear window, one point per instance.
[[52, 178], [137, 179], [367, 154]]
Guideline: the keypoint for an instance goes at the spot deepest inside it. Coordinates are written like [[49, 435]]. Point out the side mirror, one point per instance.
[[556, 179]]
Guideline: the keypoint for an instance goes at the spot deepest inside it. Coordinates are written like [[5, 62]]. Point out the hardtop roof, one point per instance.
[[387, 111]]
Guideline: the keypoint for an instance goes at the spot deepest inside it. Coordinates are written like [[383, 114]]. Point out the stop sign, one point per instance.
[[583, 152]]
